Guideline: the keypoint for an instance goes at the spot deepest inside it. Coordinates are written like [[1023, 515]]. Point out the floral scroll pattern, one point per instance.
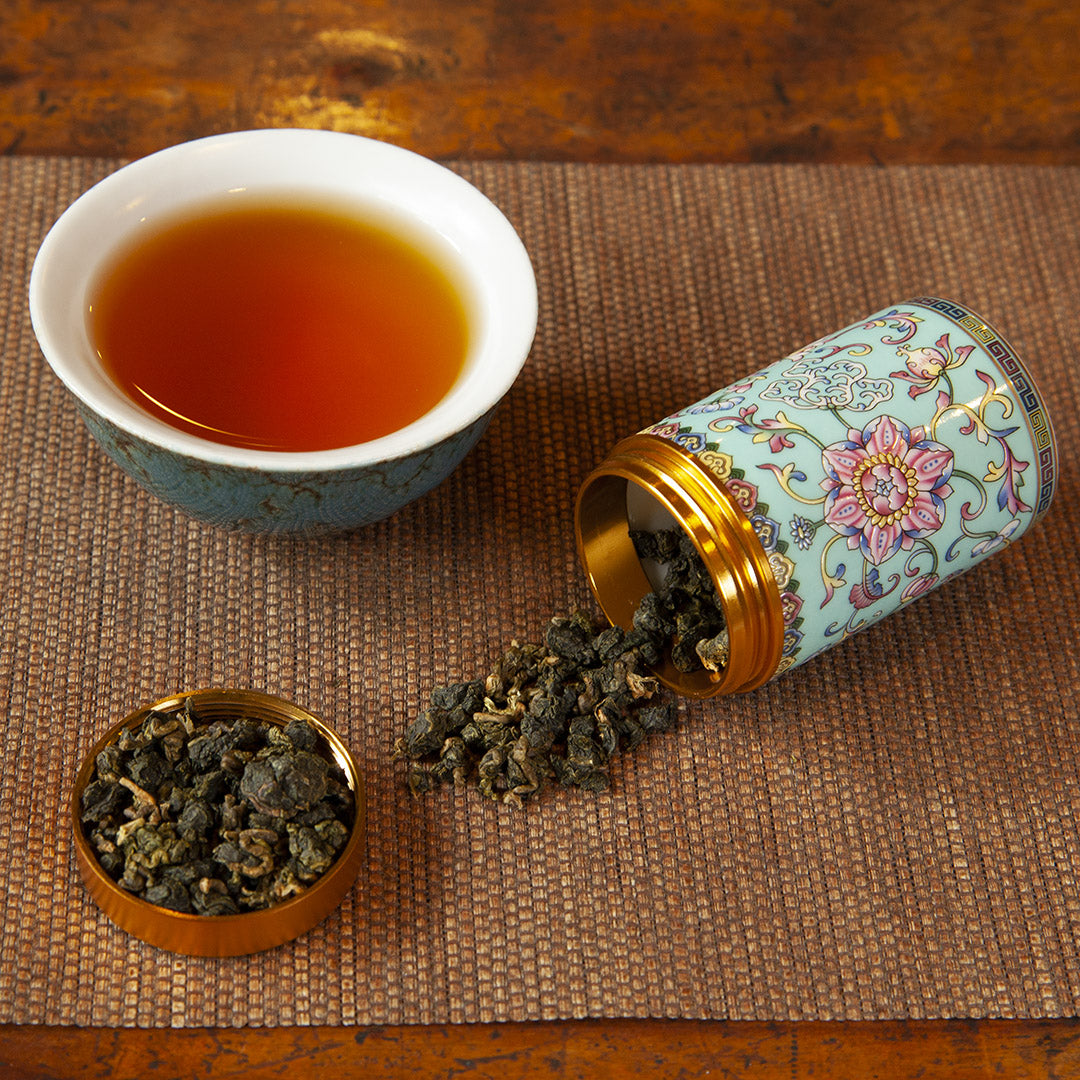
[[888, 472]]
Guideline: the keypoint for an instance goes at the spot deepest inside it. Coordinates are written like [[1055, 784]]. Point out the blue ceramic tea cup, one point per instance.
[[264, 490]]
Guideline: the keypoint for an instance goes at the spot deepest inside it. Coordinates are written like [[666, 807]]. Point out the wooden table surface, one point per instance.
[[879, 81], [876, 82]]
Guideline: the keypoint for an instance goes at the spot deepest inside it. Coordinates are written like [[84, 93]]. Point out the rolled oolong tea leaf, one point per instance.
[[685, 609], [284, 784], [562, 708], [216, 818], [555, 710]]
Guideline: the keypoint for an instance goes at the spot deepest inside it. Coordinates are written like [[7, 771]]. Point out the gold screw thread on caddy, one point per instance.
[[722, 534]]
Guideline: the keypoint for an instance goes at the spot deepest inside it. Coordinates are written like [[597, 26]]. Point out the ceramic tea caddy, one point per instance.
[[831, 488]]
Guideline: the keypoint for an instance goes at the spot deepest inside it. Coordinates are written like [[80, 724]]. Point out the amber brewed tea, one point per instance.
[[280, 327]]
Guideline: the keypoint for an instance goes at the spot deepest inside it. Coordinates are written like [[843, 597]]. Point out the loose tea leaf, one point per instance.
[[561, 709], [216, 818], [685, 609]]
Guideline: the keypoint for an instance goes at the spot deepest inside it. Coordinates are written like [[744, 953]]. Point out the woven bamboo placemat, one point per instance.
[[890, 831]]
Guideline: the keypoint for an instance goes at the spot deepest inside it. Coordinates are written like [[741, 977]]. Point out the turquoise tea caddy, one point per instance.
[[831, 488]]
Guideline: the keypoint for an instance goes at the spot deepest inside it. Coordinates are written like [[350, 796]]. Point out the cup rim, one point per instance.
[[414, 191]]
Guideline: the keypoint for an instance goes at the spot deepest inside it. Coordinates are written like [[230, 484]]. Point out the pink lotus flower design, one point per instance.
[[886, 487]]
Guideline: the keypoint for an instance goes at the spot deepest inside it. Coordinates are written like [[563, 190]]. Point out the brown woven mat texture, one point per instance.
[[890, 831]]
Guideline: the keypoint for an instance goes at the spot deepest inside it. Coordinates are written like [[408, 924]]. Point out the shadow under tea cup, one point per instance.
[[364, 188]]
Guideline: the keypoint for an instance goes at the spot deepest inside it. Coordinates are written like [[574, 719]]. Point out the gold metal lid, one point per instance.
[[223, 935], [722, 534]]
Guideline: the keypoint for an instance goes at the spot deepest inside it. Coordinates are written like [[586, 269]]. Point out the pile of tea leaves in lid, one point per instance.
[[216, 818], [560, 709]]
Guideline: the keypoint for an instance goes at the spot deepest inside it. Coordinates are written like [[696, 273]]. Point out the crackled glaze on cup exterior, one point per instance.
[[259, 490], [877, 462]]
